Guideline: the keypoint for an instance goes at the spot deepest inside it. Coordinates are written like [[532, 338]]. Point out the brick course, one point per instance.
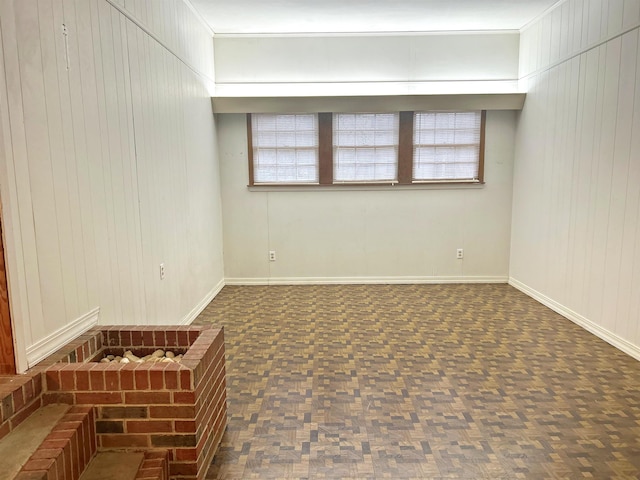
[[67, 450], [177, 407]]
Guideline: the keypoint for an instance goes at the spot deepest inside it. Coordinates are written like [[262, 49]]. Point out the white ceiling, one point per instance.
[[359, 16]]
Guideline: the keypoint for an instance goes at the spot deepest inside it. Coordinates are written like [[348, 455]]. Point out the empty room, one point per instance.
[[303, 239]]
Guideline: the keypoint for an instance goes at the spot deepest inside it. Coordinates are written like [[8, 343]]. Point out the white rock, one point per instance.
[[105, 360], [170, 355], [125, 360], [158, 353], [131, 356]]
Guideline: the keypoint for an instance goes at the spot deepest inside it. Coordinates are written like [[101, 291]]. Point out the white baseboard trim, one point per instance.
[[52, 342], [200, 306], [360, 280], [592, 327]]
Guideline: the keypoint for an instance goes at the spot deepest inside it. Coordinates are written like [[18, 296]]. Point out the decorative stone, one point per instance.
[[158, 355]]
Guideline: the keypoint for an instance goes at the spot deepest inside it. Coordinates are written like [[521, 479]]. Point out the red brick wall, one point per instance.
[[20, 396], [155, 466], [67, 450], [178, 407]]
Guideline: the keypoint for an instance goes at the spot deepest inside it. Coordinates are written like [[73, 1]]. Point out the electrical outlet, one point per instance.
[[459, 253], [272, 255], [162, 271]]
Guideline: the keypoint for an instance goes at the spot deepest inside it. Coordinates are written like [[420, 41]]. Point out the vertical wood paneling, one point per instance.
[[604, 19], [74, 248], [120, 136], [629, 282], [22, 263], [631, 13], [77, 124], [556, 35], [548, 90], [572, 27], [575, 20], [575, 241], [564, 30], [63, 180], [614, 19], [584, 38], [107, 246], [544, 56], [139, 95], [607, 133], [562, 170], [586, 135], [133, 212], [96, 238], [585, 218], [191, 41], [39, 153], [621, 197], [590, 297], [101, 178], [595, 21]]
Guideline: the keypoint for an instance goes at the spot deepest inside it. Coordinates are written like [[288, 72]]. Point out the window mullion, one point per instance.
[[325, 148], [250, 148], [483, 119], [405, 149]]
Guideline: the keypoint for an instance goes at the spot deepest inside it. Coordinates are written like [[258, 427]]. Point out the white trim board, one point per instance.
[[363, 34], [590, 326], [360, 280], [54, 341], [201, 305], [381, 97]]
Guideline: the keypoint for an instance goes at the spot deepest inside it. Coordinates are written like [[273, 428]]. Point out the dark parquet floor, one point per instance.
[[422, 382]]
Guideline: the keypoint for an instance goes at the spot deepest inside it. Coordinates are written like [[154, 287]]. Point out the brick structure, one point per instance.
[[180, 407], [20, 396], [155, 466], [67, 450]]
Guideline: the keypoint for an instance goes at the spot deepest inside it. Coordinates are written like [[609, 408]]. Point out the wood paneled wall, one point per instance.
[[576, 210], [109, 166]]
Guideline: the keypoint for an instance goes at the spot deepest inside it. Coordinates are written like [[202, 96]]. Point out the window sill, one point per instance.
[[365, 186]]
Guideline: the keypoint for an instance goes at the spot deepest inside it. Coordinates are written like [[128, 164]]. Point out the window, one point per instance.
[[446, 146], [284, 148], [365, 148]]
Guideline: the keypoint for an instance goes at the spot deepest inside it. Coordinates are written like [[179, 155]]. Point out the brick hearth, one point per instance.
[[180, 407]]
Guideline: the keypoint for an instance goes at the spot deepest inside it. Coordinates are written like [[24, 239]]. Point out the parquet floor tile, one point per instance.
[[419, 382]]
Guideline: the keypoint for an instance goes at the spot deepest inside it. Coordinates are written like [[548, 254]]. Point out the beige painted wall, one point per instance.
[[394, 64], [380, 235]]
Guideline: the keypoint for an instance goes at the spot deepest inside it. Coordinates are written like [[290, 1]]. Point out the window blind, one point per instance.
[[365, 147], [285, 148], [446, 145]]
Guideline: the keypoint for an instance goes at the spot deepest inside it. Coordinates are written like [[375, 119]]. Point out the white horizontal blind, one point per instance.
[[285, 148], [446, 145], [365, 147]]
